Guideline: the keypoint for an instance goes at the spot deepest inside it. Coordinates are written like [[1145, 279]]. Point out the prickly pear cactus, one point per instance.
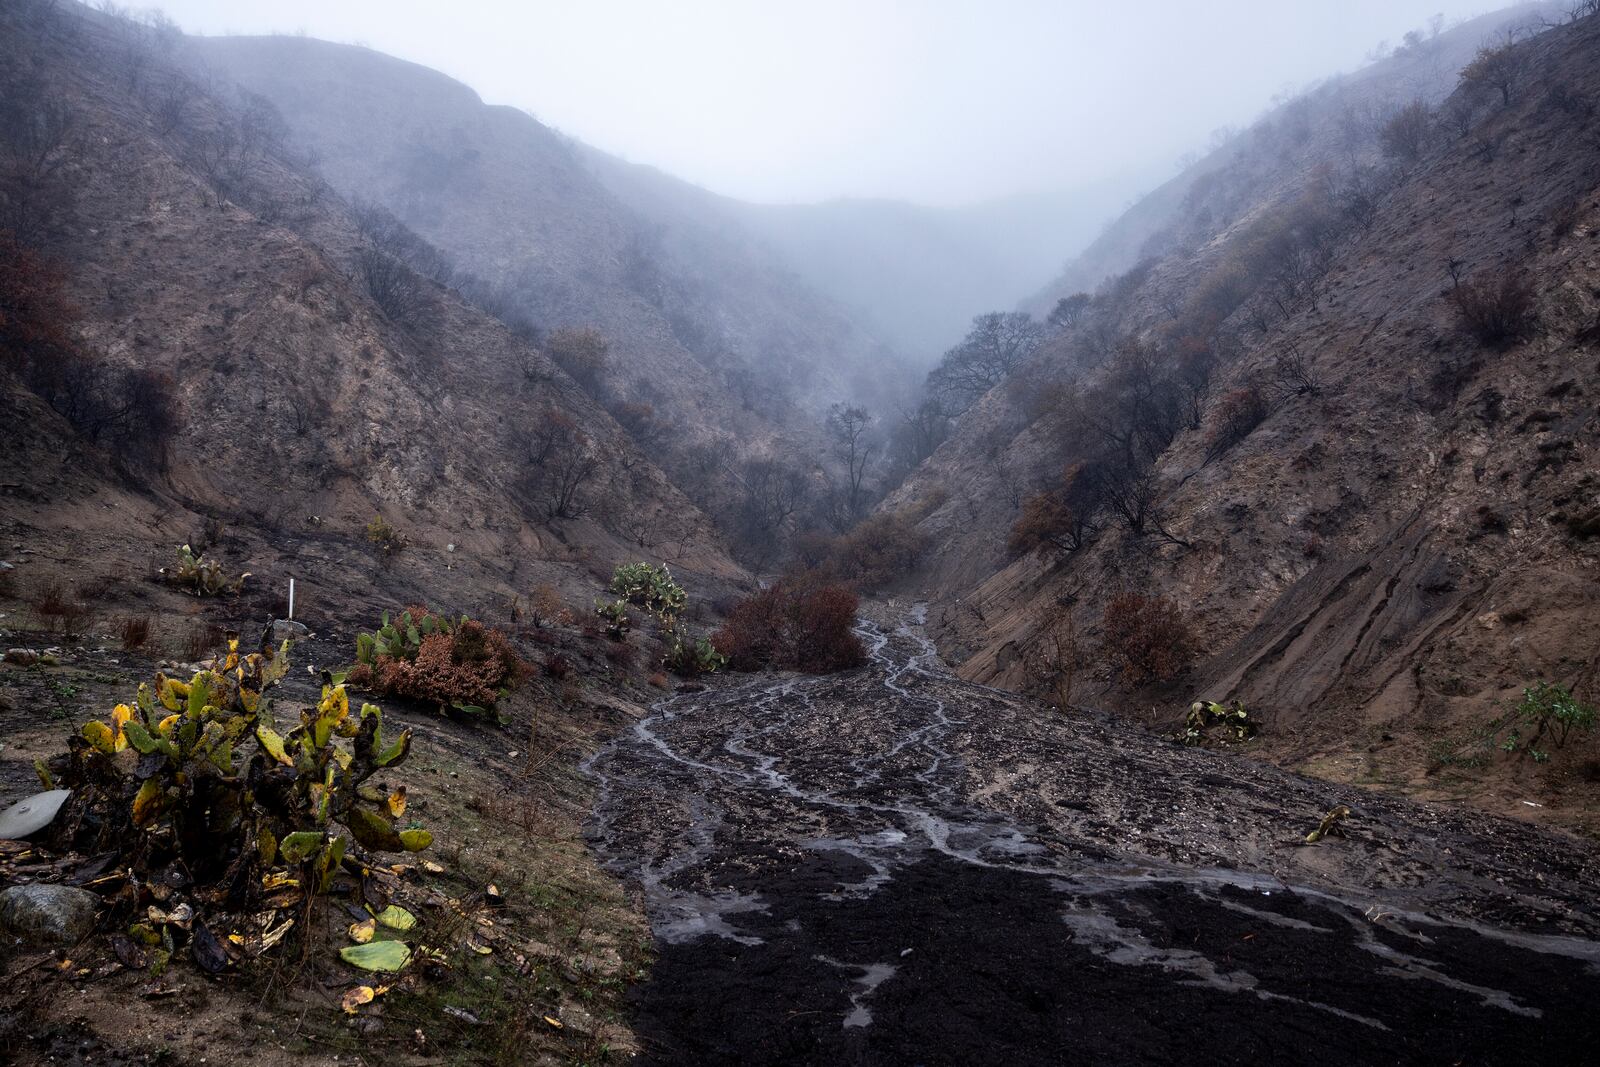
[[196, 773], [615, 614], [201, 576], [652, 588]]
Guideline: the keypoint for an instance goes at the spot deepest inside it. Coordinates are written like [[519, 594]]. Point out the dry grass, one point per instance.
[[203, 639], [58, 609], [134, 632]]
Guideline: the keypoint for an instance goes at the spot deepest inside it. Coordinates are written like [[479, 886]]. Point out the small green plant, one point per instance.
[[390, 541], [1550, 710], [201, 575], [692, 656]]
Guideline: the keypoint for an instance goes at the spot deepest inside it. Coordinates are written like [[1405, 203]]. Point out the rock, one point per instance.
[[286, 630], [48, 914], [576, 1019], [31, 814]]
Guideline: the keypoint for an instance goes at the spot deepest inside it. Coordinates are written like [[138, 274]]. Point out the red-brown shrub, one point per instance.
[[203, 639], [471, 664], [581, 353], [135, 632], [59, 608], [1146, 639], [546, 607], [878, 551], [793, 624]]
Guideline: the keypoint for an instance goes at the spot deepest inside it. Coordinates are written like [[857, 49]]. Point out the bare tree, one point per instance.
[[998, 344], [37, 133], [393, 286], [1069, 310], [560, 463], [918, 434], [773, 493], [853, 447], [1500, 67], [1406, 133], [1053, 659]]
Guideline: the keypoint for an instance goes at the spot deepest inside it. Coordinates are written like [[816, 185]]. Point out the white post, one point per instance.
[[291, 599]]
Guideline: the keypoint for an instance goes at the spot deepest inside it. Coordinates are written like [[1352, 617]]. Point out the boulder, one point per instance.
[[48, 914]]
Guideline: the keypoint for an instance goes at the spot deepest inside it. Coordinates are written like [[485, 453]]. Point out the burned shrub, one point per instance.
[[1059, 519], [621, 655], [796, 625], [583, 354], [1236, 414], [1146, 639], [1496, 308], [58, 608], [202, 640]]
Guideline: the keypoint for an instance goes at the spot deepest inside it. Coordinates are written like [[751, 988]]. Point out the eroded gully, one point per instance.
[[895, 866]]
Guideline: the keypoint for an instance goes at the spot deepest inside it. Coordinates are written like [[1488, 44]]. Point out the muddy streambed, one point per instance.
[[894, 866]]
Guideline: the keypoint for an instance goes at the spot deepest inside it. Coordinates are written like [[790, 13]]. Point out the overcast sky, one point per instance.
[[938, 101]]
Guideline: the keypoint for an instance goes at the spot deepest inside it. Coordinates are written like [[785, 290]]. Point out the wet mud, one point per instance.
[[894, 866]]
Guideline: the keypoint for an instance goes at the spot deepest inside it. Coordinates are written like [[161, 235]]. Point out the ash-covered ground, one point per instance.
[[895, 866]]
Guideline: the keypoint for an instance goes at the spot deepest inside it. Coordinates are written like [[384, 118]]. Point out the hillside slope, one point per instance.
[[197, 248], [1425, 70], [1377, 518], [704, 326]]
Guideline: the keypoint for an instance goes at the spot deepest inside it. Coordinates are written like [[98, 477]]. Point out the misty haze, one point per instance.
[[845, 533]]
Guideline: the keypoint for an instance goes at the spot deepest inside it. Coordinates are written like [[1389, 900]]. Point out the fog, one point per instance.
[[939, 102]]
